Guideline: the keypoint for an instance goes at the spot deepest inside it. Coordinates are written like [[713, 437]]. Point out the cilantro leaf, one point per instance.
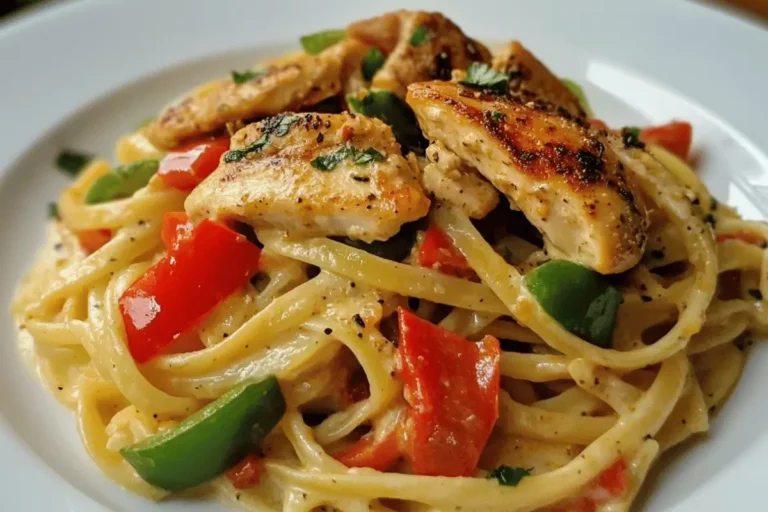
[[579, 93], [482, 76], [278, 125], [634, 130], [372, 62], [496, 116], [72, 162], [319, 41], [367, 156], [245, 76], [330, 161], [122, 181], [507, 475], [421, 35], [391, 109]]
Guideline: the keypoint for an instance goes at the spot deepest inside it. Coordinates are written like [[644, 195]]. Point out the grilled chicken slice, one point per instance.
[[288, 84], [273, 180], [453, 181], [565, 179], [419, 46], [531, 79]]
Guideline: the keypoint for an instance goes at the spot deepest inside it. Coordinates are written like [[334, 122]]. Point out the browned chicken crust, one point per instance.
[[438, 47], [278, 186], [530, 78], [563, 177], [288, 86]]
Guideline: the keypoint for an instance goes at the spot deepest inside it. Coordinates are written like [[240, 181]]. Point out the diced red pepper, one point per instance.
[[174, 296], [368, 453], [246, 473], [185, 167], [176, 225], [91, 240], [675, 137], [439, 253], [744, 236], [452, 387], [614, 479]]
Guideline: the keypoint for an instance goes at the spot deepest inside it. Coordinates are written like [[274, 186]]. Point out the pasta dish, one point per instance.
[[394, 271]]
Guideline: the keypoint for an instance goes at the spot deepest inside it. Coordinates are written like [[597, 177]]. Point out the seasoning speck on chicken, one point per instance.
[[566, 180], [285, 86], [419, 46], [531, 79], [451, 180], [314, 175]]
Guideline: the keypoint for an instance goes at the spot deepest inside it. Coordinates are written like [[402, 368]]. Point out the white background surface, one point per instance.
[[82, 73]]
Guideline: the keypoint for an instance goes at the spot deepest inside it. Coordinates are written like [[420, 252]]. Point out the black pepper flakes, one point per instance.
[[359, 320], [646, 298], [756, 294], [328, 331]]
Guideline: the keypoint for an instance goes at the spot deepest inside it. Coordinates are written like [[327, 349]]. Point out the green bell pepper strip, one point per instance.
[[122, 181], [319, 41], [579, 93], [210, 441], [579, 298]]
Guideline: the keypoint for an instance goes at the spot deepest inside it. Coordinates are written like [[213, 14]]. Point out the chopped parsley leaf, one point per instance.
[[319, 41], [367, 156], [391, 109], [757, 294], [372, 62], [72, 162], [710, 219], [330, 161], [482, 76], [634, 130], [278, 125], [507, 475], [579, 93], [496, 116], [53, 210], [245, 76], [421, 35]]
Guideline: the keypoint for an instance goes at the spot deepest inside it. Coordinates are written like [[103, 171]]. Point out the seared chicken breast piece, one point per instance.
[[419, 46], [565, 179], [286, 85], [531, 79], [314, 175], [451, 180]]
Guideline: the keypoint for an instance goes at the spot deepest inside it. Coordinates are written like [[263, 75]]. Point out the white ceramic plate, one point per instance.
[[82, 73]]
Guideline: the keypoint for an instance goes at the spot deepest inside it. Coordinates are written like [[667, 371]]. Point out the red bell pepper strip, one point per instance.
[[438, 252], [675, 137], [749, 238], [246, 473], [176, 225], [174, 296], [91, 240], [185, 167], [370, 453], [452, 387]]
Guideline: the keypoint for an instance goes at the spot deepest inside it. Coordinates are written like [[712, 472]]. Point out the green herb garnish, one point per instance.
[[579, 93], [496, 116], [372, 62], [391, 109], [507, 475], [330, 161], [421, 35], [278, 125], [53, 210], [319, 41], [72, 162], [632, 130], [482, 76], [240, 78], [122, 181]]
